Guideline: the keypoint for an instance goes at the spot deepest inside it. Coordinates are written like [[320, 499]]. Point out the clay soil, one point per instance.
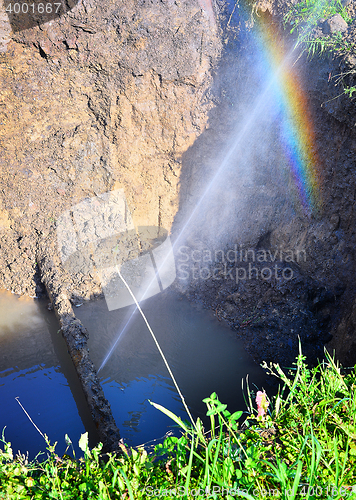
[[135, 95]]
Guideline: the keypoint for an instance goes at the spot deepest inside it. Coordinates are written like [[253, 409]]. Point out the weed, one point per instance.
[[350, 91], [300, 445], [304, 15], [303, 18]]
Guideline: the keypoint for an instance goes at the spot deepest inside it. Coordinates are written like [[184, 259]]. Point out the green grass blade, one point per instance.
[[171, 415], [296, 481], [127, 482], [190, 463]]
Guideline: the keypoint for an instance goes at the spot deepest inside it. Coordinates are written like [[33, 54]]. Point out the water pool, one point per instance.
[[203, 354]]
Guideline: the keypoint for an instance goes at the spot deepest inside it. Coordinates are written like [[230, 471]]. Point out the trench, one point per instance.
[[36, 367], [257, 271]]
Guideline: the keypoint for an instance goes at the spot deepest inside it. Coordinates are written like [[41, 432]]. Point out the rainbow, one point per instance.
[[298, 135]]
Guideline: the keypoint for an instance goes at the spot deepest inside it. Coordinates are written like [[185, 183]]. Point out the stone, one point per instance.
[[334, 221], [94, 104], [334, 24]]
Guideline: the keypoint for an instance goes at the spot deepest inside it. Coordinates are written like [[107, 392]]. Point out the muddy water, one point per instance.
[[35, 367], [203, 354]]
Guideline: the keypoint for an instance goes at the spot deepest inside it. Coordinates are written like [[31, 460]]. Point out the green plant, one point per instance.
[[321, 45], [303, 18], [350, 91], [303, 449], [299, 445], [304, 15]]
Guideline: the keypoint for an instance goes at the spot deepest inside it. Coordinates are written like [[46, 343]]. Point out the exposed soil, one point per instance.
[[271, 315], [108, 96], [122, 96]]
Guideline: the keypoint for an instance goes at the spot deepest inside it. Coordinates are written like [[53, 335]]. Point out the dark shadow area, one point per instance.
[[288, 271], [28, 14], [71, 376]]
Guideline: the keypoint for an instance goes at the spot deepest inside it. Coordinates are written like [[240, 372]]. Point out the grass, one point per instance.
[[304, 16], [302, 446], [328, 43]]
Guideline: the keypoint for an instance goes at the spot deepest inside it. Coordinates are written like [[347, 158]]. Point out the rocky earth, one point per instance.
[[108, 96], [272, 314], [142, 96]]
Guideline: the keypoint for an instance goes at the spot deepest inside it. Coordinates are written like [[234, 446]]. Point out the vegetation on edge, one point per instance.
[[304, 18], [302, 444]]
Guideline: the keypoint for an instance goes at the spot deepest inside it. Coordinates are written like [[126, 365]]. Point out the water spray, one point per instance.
[[240, 133], [115, 252]]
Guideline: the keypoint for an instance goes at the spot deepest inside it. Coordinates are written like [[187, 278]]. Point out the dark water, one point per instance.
[[35, 367], [203, 354]]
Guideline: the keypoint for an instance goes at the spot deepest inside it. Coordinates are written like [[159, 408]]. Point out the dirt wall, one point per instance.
[[123, 96], [255, 211], [108, 96]]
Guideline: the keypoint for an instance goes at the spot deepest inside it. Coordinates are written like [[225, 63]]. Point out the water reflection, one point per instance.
[[34, 366], [203, 354]]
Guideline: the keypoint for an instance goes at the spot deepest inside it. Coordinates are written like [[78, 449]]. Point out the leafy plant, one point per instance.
[[350, 91], [305, 14], [299, 445], [303, 18]]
